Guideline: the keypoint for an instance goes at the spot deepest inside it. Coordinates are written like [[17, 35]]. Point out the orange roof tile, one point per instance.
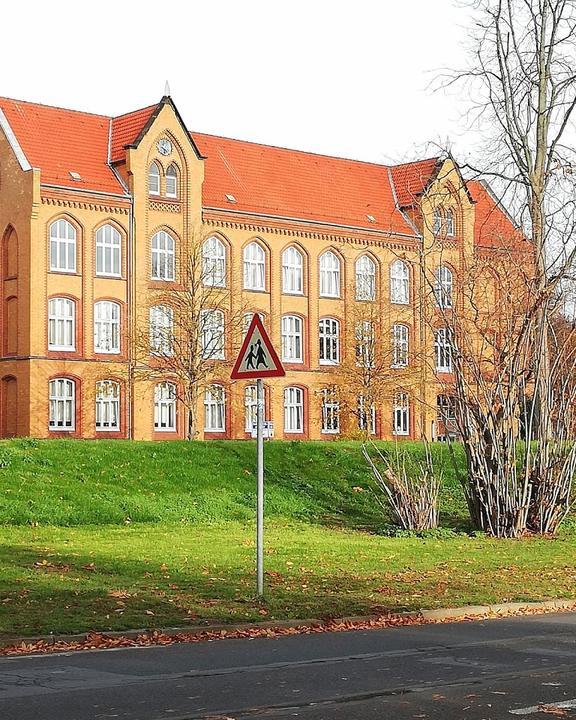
[[410, 179], [62, 141], [493, 227], [126, 129], [295, 184]]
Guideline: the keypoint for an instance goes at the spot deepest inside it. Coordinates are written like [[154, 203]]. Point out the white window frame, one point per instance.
[[163, 256], [329, 341], [62, 405], [213, 262], [250, 407], [399, 283], [212, 334], [165, 407], [329, 275], [365, 416], [63, 246], [292, 271], [443, 286], [161, 329], [293, 409], [330, 413], [449, 223], [61, 325], [106, 327], [247, 319], [446, 409], [400, 345], [443, 349], [171, 179], [107, 410], [365, 278], [254, 258], [401, 414], [365, 344], [215, 409], [292, 339], [108, 251], [154, 179], [437, 221]]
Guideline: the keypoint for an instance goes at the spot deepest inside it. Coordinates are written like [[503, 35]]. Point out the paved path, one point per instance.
[[502, 669]]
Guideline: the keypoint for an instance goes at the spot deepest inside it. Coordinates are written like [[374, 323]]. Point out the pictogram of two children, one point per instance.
[[257, 355]]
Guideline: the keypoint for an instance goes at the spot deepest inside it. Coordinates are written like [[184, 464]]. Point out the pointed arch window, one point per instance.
[[330, 411], [329, 336], [214, 262], [449, 223], [107, 405], [401, 414], [161, 330], [443, 341], [212, 334], [163, 254], [443, 287], [154, 179], [106, 327], [251, 407], [292, 339], [62, 392], [165, 407], [108, 251], [399, 283], [62, 246], [172, 181], [400, 346], [292, 267], [329, 275], [437, 222], [293, 410], [365, 278], [215, 409], [61, 324], [254, 267]]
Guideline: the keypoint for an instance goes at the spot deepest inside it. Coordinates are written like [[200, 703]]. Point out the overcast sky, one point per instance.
[[343, 78]]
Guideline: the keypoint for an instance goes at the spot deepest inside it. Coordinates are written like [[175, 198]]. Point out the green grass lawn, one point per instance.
[[115, 535]]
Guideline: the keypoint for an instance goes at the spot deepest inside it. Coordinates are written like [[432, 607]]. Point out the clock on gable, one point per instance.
[[164, 146]]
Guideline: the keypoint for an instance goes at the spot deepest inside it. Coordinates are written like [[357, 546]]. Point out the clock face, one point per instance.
[[164, 146]]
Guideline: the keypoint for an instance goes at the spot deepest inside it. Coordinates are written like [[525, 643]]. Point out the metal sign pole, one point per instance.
[[260, 488]]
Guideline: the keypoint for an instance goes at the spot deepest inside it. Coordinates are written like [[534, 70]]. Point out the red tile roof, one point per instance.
[[411, 179], [493, 227], [126, 129], [62, 141], [295, 184]]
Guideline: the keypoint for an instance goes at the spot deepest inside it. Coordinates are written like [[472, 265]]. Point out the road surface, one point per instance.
[[495, 670]]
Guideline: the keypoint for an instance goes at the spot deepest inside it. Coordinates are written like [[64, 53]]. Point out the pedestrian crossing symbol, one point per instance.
[[257, 358]]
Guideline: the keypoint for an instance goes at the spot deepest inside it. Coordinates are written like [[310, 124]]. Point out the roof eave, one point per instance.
[[13, 142]]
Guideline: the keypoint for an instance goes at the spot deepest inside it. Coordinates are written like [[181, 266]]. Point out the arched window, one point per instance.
[[292, 264], [247, 319], [254, 267], [293, 410], [212, 334], [108, 251], [437, 222], [62, 404], [366, 413], [172, 181], [365, 278], [154, 179], [443, 350], [365, 344], [443, 287], [400, 346], [163, 251], [449, 223], [251, 407], [61, 324], [214, 262], [62, 246], [401, 414], [165, 407], [107, 405], [329, 275], [329, 336], [292, 339], [330, 411], [215, 409], [399, 283], [106, 327], [161, 330]]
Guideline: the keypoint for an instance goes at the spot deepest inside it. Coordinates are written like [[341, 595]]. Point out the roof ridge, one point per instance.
[[292, 150], [132, 112], [56, 107], [416, 162]]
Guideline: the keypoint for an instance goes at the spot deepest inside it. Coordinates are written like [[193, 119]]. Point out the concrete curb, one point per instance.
[[439, 615]]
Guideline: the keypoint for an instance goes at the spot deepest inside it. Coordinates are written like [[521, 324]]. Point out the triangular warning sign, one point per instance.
[[257, 358]]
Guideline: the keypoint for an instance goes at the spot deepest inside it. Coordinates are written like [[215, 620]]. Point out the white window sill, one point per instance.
[[159, 429], [116, 276], [297, 293], [98, 429], [329, 363], [293, 432], [100, 351], [58, 348], [214, 430], [292, 361], [330, 432], [400, 302], [64, 271], [58, 429]]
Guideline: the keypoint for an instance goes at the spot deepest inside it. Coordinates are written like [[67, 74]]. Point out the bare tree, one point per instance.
[[523, 80], [191, 331]]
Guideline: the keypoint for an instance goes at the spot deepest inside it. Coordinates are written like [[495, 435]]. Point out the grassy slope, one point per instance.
[[66, 482]]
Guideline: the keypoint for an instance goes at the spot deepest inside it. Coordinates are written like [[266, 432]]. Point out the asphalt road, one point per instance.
[[516, 668]]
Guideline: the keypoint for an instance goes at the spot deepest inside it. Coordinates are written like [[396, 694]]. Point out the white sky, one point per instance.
[[346, 78]]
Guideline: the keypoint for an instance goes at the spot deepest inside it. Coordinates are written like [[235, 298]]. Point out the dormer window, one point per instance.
[[172, 181], [154, 179]]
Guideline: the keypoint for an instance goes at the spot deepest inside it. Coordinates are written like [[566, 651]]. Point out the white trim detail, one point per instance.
[[13, 142]]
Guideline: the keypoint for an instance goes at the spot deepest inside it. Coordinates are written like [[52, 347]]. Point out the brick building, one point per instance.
[[97, 215]]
